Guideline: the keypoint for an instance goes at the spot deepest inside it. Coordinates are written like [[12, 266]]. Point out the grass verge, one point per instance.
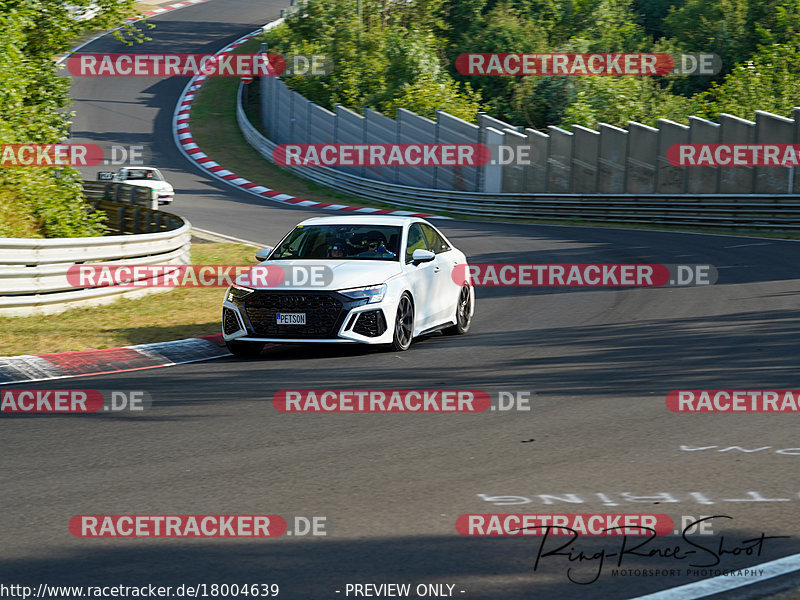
[[161, 317]]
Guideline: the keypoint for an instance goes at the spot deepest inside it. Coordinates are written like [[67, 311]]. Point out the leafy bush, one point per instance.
[[43, 201]]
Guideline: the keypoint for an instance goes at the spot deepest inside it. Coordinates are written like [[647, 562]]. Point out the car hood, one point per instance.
[[337, 274]]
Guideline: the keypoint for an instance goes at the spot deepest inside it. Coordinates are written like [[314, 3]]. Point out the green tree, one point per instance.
[[617, 100], [427, 94], [767, 82], [612, 27], [381, 56], [505, 29], [720, 27], [44, 201]]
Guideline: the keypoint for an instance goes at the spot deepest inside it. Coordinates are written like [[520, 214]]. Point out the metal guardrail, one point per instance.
[[755, 211], [33, 272], [120, 192]]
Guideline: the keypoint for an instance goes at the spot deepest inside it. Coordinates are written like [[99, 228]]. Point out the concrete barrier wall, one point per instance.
[[609, 160], [452, 130], [613, 143], [559, 161], [414, 129], [350, 128], [641, 159], [772, 129], [380, 130], [585, 151], [760, 212]]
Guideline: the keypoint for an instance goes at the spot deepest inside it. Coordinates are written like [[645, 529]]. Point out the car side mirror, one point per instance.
[[263, 254], [422, 256]]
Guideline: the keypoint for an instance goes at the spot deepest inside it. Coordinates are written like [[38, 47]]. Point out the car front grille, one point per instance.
[[370, 323], [324, 314]]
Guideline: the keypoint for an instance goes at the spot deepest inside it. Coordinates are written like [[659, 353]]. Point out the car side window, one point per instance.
[[416, 240], [435, 241]]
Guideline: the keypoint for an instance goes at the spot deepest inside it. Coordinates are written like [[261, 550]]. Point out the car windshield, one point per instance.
[[144, 174], [347, 242]]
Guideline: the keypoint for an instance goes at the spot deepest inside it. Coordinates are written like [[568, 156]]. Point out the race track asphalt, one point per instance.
[[598, 439]]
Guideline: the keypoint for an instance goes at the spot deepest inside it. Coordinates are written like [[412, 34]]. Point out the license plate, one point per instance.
[[291, 318]]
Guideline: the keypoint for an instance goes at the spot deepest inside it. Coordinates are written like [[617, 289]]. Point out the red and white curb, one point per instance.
[[168, 8], [43, 367], [186, 144]]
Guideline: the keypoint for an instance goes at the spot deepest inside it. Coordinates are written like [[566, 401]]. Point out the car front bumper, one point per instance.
[[330, 318]]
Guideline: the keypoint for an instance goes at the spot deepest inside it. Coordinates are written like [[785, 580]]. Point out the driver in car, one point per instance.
[[378, 244], [336, 249]]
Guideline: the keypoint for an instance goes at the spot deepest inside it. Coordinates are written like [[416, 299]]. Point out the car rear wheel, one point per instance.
[[245, 349], [463, 316], [403, 324]]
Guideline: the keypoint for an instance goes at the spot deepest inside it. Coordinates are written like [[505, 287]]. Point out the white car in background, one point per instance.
[[391, 280], [149, 177]]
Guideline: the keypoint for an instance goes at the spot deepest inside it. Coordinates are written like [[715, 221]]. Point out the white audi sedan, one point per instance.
[[373, 280]]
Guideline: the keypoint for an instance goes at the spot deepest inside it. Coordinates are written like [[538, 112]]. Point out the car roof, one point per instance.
[[397, 221]]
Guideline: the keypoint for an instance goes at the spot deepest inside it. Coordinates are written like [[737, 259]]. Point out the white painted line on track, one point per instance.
[[723, 583]]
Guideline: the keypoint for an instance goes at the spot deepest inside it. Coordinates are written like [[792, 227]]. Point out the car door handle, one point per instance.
[[436, 269]]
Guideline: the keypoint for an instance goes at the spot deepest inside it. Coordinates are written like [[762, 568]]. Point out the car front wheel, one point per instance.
[[403, 324]]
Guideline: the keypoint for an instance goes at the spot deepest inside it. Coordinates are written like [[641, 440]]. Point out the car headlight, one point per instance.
[[238, 292], [372, 293]]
